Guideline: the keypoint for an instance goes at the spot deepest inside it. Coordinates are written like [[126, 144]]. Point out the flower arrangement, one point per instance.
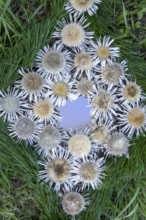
[[75, 65]]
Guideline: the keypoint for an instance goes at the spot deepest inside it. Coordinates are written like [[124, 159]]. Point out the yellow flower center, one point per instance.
[[60, 89], [83, 61], [58, 170], [81, 4], [131, 91], [103, 52], [43, 109], [79, 145], [111, 73], [100, 134], [88, 171], [72, 35], [32, 82], [102, 101], [136, 117], [84, 86]]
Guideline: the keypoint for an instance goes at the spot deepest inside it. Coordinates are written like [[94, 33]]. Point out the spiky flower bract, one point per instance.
[[78, 7], [72, 33], [132, 120], [103, 52], [53, 60], [61, 89], [49, 138], [45, 111], [32, 85], [12, 104], [57, 169], [88, 171], [73, 203], [104, 103], [79, 144], [112, 74], [117, 144], [26, 128]]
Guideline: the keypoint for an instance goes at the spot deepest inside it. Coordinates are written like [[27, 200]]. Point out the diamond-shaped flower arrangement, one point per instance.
[[75, 65]]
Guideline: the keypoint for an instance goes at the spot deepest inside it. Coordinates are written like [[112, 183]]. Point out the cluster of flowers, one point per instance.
[[72, 66]]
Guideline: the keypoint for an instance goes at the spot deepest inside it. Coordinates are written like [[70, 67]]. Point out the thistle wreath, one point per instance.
[[75, 65]]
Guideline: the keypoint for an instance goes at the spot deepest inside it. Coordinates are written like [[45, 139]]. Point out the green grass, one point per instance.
[[26, 26]]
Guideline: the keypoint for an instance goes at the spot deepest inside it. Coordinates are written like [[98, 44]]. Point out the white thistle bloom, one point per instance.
[[100, 131], [74, 203], [132, 119], [32, 85], [12, 104], [61, 89], [53, 60], [85, 86], [130, 92], [78, 7], [45, 111], [78, 142], [49, 138], [117, 144], [88, 171], [113, 74], [72, 33], [26, 128], [83, 63], [103, 52], [104, 103], [57, 169]]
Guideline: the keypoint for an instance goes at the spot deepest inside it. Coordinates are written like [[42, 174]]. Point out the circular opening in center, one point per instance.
[[76, 114]]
